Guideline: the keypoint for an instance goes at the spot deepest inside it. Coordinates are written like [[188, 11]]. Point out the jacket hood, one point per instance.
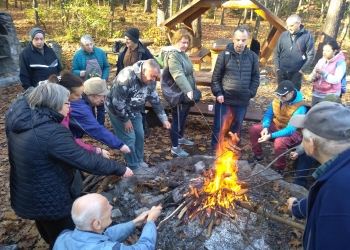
[[167, 49], [339, 56], [137, 68], [26, 118]]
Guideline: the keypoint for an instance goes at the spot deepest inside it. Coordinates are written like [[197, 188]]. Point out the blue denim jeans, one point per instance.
[[178, 120], [305, 164], [100, 117], [134, 140], [222, 109]]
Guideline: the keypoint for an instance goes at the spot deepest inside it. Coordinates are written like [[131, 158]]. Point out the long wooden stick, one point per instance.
[[262, 212], [171, 215]]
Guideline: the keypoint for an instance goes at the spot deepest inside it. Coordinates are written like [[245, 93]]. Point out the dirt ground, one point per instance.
[[14, 230]]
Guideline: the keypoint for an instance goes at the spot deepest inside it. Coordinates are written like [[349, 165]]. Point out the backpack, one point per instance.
[[171, 92], [343, 84]]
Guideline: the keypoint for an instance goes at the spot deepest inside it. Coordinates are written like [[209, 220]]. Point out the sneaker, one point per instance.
[[254, 159], [178, 151], [143, 165], [185, 142]]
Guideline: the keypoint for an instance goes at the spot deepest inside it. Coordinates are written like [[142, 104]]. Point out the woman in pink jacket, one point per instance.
[[76, 87], [328, 72]]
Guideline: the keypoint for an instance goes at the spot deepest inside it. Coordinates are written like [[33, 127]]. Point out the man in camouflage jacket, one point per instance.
[[133, 86]]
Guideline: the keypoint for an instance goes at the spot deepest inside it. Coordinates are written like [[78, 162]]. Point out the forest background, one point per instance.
[[67, 20]]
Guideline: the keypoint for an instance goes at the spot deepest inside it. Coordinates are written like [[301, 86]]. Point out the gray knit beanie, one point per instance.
[[133, 34], [35, 31]]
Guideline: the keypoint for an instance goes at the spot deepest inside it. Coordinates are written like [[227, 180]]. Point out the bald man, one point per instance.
[[92, 216]]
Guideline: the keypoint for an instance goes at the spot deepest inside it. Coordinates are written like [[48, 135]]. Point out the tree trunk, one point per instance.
[[36, 14], [222, 16], [148, 7], [256, 28], [62, 11], [162, 11], [251, 15], [177, 5], [240, 18], [111, 11], [245, 16], [197, 28], [331, 27], [20, 5], [16, 5], [124, 4], [290, 7], [171, 8]]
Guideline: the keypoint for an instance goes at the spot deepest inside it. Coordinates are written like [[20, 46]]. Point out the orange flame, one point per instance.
[[224, 188]]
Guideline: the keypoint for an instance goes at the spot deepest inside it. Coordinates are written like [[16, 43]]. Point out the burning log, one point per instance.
[[226, 175], [210, 228], [270, 215], [242, 192]]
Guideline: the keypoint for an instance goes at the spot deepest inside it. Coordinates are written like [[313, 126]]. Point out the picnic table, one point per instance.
[[217, 47]]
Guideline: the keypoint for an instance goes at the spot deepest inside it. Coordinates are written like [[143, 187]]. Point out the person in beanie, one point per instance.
[[83, 121], [326, 137], [132, 52], [37, 61], [275, 124]]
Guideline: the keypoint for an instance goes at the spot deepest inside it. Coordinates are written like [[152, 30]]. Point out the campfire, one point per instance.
[[212, 196]]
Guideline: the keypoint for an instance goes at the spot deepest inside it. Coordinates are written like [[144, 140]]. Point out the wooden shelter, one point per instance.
[[198, 7]]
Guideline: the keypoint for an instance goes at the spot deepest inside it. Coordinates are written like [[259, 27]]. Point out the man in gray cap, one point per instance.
[[83, 120], [326, 137], [37, 61]]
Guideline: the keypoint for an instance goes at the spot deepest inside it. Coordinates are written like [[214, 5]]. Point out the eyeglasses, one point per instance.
[[67, 103]]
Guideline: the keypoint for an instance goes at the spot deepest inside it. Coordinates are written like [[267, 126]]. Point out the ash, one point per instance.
[[134, 194]]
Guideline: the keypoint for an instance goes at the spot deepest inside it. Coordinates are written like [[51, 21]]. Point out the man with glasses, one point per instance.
[[275, 124], [130, 90], [37, 61], [83, 120], [294, 52]]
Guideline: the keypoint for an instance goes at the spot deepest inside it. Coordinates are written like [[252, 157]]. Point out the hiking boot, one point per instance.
[[143, 165], [185, 142], [178, 151], [255, 159]]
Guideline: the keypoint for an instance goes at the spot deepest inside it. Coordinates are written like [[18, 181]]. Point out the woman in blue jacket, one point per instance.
[[91, 61]]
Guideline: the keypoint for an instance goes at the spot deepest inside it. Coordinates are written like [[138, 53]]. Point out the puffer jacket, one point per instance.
[[143, 54], [129, 94], [43, 156], [288, 54], [238, 80], [35, 67]]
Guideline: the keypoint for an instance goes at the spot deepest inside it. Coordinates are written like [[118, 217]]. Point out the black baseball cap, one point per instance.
[[284, 87]]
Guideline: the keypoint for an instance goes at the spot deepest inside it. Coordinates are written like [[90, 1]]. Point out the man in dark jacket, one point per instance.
[[235, 81], [326, 137], [294, 52], [83, 120], [37, 61], [132, 52]]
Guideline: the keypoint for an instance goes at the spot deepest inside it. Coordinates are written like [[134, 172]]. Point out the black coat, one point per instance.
[[143, 54], [35, 67], [237, 77], [43, 155]]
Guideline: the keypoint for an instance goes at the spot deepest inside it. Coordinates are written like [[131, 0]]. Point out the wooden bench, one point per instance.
[[197, 56], [253, 114]]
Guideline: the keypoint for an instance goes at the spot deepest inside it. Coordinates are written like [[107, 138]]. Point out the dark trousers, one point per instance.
[[178, 120], [100, 117], [144, 117], [51, 229], [304, 165], [229, 118], [295, 78]]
